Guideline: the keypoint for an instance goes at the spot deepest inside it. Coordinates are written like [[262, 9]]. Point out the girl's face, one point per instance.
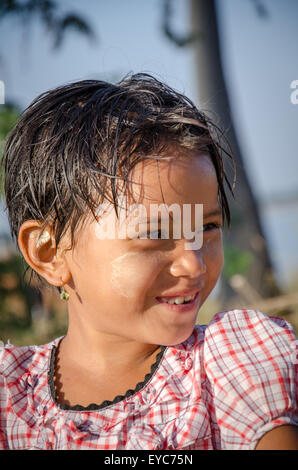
[[121, 288]]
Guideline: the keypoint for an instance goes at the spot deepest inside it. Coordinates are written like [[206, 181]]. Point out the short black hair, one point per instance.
[[75, 139]]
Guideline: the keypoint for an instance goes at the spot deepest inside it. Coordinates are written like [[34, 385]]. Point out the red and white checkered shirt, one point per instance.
[[227, 385]]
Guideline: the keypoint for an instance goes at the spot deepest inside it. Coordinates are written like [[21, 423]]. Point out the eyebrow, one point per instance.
[[213, 213], [154, 220]]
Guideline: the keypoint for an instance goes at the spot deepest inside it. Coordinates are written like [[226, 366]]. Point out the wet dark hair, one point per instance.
[[74, 143]]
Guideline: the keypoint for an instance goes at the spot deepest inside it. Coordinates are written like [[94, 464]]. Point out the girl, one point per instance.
[[134, 371]]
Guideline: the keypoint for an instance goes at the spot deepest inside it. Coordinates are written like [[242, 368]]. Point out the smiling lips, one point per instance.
[[177, 300], [184, 302]]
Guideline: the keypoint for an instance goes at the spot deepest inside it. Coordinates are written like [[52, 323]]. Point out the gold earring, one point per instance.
[[63, 294]]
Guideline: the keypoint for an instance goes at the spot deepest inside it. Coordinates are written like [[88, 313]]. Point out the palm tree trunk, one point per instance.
[[246, 232]]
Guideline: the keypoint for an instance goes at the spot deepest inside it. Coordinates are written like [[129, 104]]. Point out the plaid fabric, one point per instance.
[[228, 384]]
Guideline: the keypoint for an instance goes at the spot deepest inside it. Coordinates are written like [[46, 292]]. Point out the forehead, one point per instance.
[[179, 176]]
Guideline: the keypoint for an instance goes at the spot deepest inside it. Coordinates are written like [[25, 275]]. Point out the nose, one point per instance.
[[188, 263]]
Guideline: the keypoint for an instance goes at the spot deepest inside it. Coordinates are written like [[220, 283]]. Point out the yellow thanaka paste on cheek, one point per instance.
[[133, 271]]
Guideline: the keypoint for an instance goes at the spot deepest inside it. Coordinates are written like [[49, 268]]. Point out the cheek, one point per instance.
[[133, 272]]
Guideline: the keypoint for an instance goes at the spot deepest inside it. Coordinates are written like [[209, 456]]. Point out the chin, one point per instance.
[[177, 337]]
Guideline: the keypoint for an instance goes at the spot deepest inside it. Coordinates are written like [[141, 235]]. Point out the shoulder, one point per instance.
[[23, 387], [251, 334], [23, 374], [250, 360], [233, 334], [241, 331], [246, 318], [15, 361], [247, 346]]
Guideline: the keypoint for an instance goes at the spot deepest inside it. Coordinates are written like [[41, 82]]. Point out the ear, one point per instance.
[[39, 250]]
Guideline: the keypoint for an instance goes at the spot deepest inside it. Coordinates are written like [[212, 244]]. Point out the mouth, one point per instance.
[[180, 302]]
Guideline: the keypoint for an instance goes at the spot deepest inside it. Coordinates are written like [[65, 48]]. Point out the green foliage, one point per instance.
[[14, 292], [9, 115], [236, 261], [23, 317]]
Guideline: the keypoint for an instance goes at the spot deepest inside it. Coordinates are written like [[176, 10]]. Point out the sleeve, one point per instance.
[[3, 403], [250, 361]]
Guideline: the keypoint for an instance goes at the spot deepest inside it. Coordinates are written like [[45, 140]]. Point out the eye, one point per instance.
[[156, 235], [212, 226]]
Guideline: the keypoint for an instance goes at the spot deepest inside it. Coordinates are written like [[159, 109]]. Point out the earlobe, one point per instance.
[[39, 250]]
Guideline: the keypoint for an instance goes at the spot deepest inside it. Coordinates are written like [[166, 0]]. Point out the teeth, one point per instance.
[[178, 300]]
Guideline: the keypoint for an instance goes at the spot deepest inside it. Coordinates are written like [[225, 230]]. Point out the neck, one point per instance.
[[90, 348]]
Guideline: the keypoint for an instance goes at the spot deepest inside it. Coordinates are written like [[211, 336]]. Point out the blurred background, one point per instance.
[[236, 59]]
